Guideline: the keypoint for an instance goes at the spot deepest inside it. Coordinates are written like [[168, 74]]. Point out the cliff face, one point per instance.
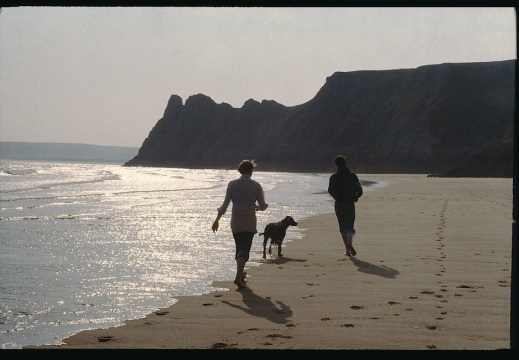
[[449, 119]]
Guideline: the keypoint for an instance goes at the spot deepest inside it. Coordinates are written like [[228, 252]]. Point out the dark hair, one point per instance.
[[246, 166], [339, 161]]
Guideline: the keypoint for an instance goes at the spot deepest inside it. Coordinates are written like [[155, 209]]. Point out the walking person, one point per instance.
[[345, 188], [247, 197]]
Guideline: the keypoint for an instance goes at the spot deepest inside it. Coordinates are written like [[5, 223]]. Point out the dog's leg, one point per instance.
[[279, 249], [265, 238], [270, 248]]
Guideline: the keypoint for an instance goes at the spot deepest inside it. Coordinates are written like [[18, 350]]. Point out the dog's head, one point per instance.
[[289, 220]]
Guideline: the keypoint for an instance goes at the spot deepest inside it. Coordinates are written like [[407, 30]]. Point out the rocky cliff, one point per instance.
[[448, 119]]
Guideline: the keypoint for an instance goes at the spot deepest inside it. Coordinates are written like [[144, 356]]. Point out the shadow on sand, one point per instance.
[[262, 307], [281, 260], [372, 269]]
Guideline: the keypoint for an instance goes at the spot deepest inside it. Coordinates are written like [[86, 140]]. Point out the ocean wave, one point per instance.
[[17, 172], [50, 185]]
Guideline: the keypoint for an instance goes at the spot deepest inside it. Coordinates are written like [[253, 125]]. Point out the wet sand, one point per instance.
[[432, 271]]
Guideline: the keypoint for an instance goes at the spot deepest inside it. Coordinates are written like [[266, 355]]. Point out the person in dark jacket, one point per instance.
[[345, 188]]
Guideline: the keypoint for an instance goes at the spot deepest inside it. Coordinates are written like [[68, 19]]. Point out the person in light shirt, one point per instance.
[[247, 197]]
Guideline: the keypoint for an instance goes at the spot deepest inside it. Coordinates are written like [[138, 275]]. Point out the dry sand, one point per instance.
[[432, 271]]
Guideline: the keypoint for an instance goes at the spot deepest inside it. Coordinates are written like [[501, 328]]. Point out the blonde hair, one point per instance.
[[246, 166]]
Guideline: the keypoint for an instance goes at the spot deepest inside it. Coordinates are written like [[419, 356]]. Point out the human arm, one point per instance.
[[222, 209], [262, 206], [332, 186], [215, 223], [358, 191]]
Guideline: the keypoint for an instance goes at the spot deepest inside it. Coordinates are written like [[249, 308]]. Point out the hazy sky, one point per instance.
[[104, 75]]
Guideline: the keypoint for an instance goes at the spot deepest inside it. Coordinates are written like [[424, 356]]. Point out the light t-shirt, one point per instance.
[[244, 193]]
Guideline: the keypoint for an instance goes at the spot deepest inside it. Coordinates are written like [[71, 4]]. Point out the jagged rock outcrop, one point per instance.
[[448, 119]]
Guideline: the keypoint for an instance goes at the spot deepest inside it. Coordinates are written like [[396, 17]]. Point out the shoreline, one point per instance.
[[432, 271]]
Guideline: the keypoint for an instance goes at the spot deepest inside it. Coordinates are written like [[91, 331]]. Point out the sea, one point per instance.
[[90, 245]]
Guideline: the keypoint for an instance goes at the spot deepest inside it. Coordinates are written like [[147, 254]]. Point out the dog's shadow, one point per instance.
[[255, 305], [281, 260], [373, 269]]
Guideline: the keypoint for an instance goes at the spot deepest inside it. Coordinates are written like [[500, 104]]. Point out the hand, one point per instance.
[[215, 226]]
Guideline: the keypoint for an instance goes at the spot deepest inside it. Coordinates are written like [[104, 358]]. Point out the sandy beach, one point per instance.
[[432, 271]]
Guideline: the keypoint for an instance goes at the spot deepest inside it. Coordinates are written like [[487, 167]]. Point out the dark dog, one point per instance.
[[276, 233]]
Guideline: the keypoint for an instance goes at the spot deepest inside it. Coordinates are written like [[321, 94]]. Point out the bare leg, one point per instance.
[[350, 243], [240, 274], [346, 243]]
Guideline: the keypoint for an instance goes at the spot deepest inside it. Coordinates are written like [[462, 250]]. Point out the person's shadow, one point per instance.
[[262, 307], [369, 268]]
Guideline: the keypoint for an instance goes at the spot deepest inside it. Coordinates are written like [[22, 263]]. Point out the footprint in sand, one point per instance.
[[503, 283], [347, 325], [430, 327], [355, 307], [220, 345], [393, 303], [272, 336], [465, 287]]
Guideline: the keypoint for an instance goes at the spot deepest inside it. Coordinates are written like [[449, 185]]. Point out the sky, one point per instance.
[[103, 76]]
